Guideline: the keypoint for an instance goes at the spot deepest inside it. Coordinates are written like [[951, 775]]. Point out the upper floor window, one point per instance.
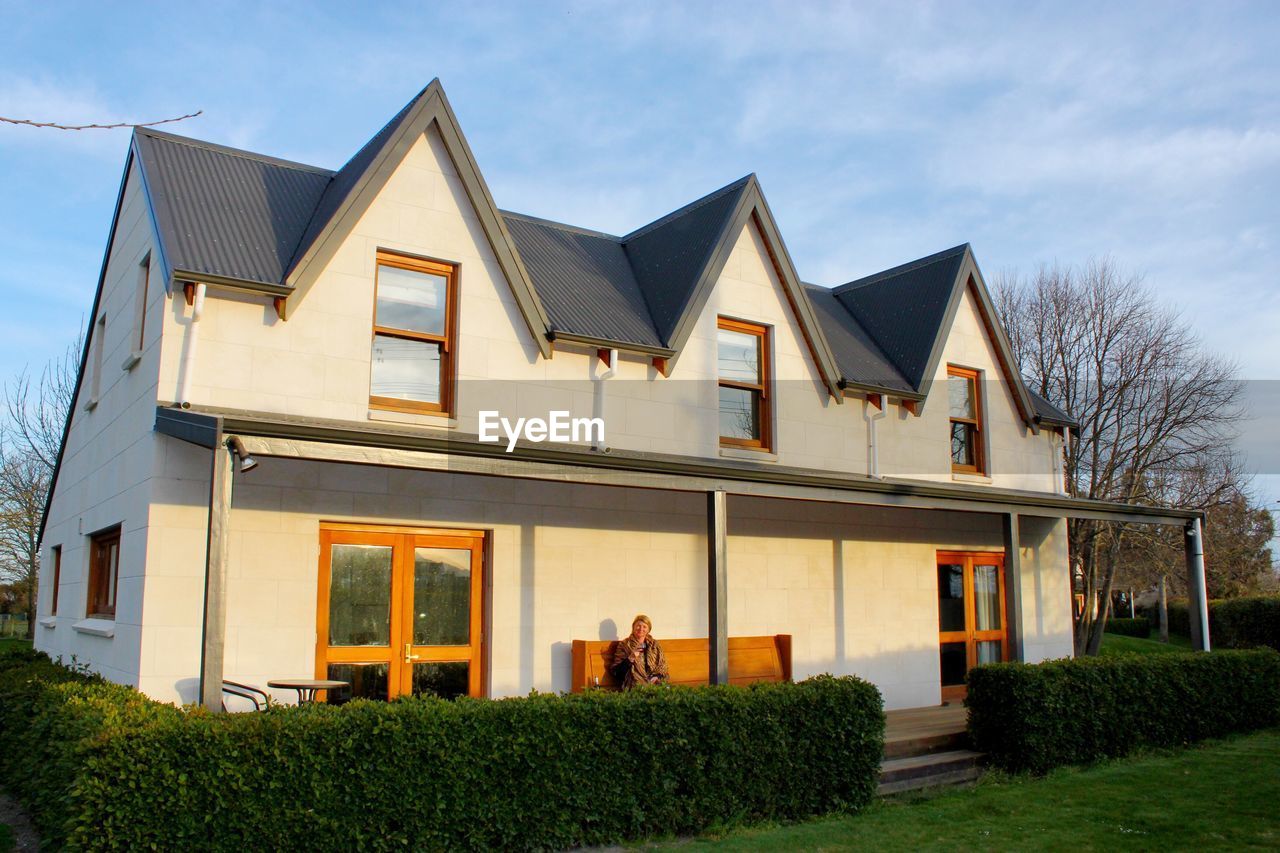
[[104, 573], [963, 395], [743, 369], [99, 333], [57, 578], [414, 335]]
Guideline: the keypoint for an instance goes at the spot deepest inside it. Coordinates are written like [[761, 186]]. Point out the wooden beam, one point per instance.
[[189, 292], [876, 401], [660, 364], [214, 628], [605, 356], [911, 406], [717, 587], [279, 303], [1013, 585]]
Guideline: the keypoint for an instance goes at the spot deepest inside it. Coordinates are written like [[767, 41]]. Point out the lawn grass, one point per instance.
[[1217, 796], [1118, 644], [14, 642]]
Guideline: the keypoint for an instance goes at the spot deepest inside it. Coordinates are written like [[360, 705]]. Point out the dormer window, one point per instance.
[[743, 368], [965, 402], [414, 335]]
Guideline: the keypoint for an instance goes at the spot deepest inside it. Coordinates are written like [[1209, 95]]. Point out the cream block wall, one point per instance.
[[107, 463], [855, 586], [317, 363]]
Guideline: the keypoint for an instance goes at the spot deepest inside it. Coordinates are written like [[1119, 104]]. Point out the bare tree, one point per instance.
[[35, 415], [1150, 400]]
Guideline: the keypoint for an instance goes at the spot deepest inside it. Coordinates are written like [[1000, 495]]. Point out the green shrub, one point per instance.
[[536, 772], [1242, 623], [1039, 716], [1138, 627], [1234, 623]]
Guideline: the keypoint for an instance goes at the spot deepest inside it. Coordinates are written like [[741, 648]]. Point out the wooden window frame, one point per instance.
[[763, 388], [403, 540], [101, 593], [144, 287], [448, 342], [977, 422], [56, 553]]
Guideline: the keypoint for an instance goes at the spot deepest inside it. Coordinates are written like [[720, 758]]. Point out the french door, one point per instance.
[[971, 616], [400, 611]]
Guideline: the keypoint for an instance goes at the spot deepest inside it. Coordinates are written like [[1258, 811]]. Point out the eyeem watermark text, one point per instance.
[[558, 426]]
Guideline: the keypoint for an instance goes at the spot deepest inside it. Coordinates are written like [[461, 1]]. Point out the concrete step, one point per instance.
[[908, 745], [924, 771]]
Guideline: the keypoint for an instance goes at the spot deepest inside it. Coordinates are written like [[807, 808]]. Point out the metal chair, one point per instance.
[[261, 701]]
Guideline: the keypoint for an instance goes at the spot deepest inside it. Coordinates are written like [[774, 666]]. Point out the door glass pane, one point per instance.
[[360, 595], [988, 651], [411, 300], [405, 369], [954, 663], [986, 598], [960, 396], [739, 413], [950, 597], [446, 680], [441, 597], [367, 680], [738, 356]]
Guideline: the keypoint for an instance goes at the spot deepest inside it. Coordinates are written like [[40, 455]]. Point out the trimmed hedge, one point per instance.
[[1034, 717], [1234, 623], [537, 772], [1138, 627]]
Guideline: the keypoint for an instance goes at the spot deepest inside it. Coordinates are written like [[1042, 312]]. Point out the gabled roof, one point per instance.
[[861, 361], [909, 309]]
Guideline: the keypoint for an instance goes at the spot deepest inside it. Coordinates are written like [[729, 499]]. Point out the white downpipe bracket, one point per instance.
[[189, 354]]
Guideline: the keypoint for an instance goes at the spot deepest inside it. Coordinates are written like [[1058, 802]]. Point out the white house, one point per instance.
[[861, 468]]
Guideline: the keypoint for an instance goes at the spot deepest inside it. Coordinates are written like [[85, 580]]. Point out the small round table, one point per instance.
[[307, 687]]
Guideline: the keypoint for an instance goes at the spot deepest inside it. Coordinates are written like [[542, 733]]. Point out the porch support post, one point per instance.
[[1198, 603], [1013, 584], [717, 587], [214, 629]]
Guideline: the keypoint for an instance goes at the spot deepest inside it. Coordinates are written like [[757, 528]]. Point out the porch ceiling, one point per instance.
[[440, 450]]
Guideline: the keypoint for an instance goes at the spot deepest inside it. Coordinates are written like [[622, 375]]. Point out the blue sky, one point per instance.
[[880, 132]]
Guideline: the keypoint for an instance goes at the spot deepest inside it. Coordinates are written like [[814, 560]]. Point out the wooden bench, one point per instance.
[[750, 659]]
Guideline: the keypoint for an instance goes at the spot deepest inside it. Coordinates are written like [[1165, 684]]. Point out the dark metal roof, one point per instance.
[[1051, 414], [668, 256], [903, 308], [583, 278], [224, 212], [860, 360]]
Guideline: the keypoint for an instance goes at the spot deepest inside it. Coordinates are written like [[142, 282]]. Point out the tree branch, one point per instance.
[[56, 126]]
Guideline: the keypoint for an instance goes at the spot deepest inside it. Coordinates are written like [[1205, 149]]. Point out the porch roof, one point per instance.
[[407, 447]]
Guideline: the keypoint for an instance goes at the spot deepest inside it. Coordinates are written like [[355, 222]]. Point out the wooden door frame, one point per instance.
[[970, 636], [403, 540]]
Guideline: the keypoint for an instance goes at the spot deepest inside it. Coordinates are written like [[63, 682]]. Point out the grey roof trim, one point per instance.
[[970, 274], [431, 106], [84, 352], [587, 340], [166, 268], [232, 283], [856, 389], [890, 492], [191, 427], [752, 206]]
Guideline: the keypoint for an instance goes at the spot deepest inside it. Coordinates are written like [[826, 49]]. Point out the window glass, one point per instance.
[[441, 597], [951, 597], [360, 595], [739, 413], [104, 571], [962, 444], [739, 356], [405, 369], [960, 394], [411, 300]]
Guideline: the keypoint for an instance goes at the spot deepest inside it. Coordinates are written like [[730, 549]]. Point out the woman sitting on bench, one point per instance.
[[638, 659]]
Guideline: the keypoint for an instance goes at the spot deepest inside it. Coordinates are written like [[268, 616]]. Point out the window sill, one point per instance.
[[441, 421], [131, 361], [970, 478], [96, 627], [748, 454], [91, 405], [49, 621]]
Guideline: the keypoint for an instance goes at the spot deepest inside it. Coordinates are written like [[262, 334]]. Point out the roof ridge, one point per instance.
[[577, 229], [234, 152], [688, 208], [877, 277]]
